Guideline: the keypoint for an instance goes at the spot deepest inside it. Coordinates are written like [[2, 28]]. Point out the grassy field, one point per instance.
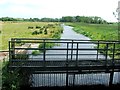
[[97, 31], [20, 30], [0, 35]]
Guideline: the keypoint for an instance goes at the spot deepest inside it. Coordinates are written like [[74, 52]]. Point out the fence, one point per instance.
[[66, 62]]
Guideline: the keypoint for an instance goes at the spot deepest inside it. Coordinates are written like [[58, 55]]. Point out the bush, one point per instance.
[[15, 79], [47, 45], [10, 80], [35, 52], [22, 55]]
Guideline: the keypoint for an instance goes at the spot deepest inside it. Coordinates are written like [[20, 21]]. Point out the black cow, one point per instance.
[[30, 27]]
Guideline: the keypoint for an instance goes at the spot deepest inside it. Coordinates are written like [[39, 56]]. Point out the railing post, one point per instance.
[[106, 54], [97, 49], [113, 57], [77, 55], [73, 79], [9, 52], [72, 50], [13, 48], [112, 72], [44, 51], [67, 66], [67, 53]]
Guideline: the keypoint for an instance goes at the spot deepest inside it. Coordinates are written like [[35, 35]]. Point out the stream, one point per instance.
[[79, 79]]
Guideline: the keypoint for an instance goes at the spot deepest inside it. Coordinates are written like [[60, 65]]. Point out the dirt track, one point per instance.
[[3, 55]]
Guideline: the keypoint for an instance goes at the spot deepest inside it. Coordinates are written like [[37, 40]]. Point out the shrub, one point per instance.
[[35, 52], [47, 45], [15, 79], [22, 55]]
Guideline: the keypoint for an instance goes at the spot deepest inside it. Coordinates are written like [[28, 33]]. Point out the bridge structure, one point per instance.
[[64, 57]]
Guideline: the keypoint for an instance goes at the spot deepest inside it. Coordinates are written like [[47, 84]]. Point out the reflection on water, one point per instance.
[[77, 79]]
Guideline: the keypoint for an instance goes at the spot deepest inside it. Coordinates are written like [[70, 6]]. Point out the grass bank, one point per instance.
[[98, 32]]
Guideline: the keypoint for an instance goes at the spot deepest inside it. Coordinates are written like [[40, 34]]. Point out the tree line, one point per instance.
[[84, 19]]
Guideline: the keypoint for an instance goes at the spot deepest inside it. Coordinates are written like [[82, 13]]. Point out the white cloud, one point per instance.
[[58, 8], [3, 1]]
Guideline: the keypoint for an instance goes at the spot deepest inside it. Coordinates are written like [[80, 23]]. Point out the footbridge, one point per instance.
[[61, 58]]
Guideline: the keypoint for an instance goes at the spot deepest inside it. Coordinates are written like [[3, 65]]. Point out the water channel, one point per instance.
[[79, 79]]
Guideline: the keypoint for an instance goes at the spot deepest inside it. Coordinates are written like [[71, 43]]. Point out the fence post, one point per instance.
[[13, 48], [67, 66], [44, 51], [106, 54], [77, 55], [97, 49], [72, 50], [112, 72]]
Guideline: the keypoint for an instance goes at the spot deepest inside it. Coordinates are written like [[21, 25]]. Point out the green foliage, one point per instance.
[[83, 19], [14, 79], [8, 19], [35, 52], [98, 32], [45, 45], [22, 56], [10, 79]]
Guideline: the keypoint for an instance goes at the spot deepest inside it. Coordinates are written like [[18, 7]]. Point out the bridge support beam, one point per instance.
[[111, 78]]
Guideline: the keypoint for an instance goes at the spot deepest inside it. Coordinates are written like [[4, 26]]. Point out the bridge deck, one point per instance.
[[52, 59], [82, 65], [64, 54]]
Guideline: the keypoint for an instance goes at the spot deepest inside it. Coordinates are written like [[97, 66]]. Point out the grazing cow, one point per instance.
[[30, 27], [38, 27]]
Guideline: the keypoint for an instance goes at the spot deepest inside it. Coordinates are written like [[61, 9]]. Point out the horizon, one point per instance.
[[59, 8], [57, 18]]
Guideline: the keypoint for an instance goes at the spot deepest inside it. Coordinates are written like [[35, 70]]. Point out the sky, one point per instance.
[[58, 8]]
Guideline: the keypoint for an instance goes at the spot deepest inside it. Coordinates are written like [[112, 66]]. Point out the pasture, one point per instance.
[[28, 30], [97, 31], [0, 35]]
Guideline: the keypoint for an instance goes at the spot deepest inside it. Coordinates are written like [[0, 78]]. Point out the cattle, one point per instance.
[[38, 27], [30, 27]]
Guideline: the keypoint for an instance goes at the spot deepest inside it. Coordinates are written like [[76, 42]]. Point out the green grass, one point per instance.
[[20, 30], [97, 31]]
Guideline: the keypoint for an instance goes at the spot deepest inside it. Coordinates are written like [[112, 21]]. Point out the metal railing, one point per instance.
[[66, 58]]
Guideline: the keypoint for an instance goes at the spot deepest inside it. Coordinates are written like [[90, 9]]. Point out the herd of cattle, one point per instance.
[[39, 27], [42, 29]]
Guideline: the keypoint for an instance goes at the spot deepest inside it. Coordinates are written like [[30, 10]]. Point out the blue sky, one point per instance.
[[58, 8]]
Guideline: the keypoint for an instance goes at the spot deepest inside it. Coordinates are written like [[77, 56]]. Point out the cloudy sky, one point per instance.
[[58, 8]]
